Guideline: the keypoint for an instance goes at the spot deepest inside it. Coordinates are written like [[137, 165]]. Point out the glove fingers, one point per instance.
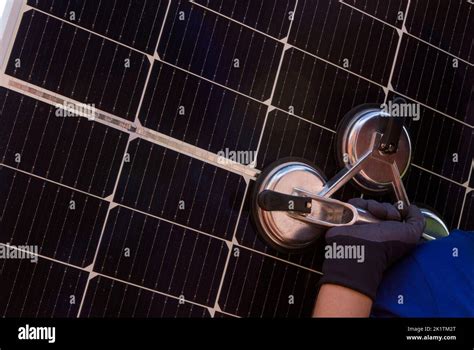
[[359, 203], [415, 218], [377, 209], [392, 212]]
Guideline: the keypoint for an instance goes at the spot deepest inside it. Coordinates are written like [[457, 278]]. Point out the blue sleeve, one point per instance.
[[436, 280]]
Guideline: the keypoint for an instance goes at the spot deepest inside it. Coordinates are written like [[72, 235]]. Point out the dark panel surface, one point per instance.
[[157, 179], [334, 31], [72, 62], [161, 256], [110, 298], [444, 196], [65, 224], [259, 286], [70, 150], [445, 24], [135, 23], [267, 16], [320, 92], [430, 76], [200, 113], [387, 11], [208, 45], [42, 289]]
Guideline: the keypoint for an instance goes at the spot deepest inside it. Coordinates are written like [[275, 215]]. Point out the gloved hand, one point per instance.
[[381, 244]]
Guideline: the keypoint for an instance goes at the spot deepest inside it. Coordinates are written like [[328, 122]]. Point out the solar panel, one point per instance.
[[132, 209]]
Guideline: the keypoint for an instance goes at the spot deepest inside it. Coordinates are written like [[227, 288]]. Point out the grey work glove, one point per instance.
[[377, 246]]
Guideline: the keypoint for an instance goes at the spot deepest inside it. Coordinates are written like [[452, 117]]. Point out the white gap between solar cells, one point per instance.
[[287, 46], [95, 274], [405, 31]]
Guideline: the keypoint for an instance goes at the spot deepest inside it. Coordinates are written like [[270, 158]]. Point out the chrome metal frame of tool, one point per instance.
[[345, 175], [374, 149]]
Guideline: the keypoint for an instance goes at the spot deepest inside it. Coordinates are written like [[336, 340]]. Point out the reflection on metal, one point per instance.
[[435, 228], [290, 229], [279, 229], [356, 139]]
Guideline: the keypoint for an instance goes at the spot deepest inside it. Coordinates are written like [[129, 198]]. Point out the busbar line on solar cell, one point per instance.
[[333, 65], [385, 87], [390, 18], [275, 83], [114, 204], [94, 274], [397, 51], [465, 185], [405, 31], [87, 65], [320, 58], [445, 21], [453, 97], [152, 136], [97, 248], [288, 44], [231, 249], [432, 108], [133, 128], [31, 8], [271, 17], [39, 255], [283, 39]]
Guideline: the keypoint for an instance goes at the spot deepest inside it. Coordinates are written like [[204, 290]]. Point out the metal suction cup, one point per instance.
[[291, 201], [435, 228], [355, 138], [280, 230]]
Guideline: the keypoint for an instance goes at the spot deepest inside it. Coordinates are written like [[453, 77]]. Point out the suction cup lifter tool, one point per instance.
[[292, 204]]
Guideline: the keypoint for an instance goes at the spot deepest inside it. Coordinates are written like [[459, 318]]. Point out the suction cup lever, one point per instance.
[[393, 132], [275, 201]]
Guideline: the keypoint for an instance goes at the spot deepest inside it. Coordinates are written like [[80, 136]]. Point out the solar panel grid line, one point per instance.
[[423, 32], [437, 190], [274, 86], [19, 13], [141, 289], [287, 264], [408, 31], [467, 221], [165, 256], [144, 133], [289, 45], [329, 63], [25, 221], [114, 104], [464, 206], [104, 37], [219, 13], [96, 252], [94, 274], [175, 56], [402, 86], [258, 301], [374, 15], [397, 51], [28, 302]]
